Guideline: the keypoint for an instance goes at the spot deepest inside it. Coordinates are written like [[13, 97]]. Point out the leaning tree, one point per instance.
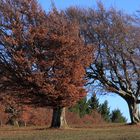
[[42, 56], [116, 67]]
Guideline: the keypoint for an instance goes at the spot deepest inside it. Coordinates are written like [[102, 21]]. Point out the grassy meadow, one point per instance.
[[104, 132]]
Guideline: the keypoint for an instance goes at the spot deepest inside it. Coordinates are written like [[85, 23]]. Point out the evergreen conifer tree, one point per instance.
[[105, 111], [117, 117]]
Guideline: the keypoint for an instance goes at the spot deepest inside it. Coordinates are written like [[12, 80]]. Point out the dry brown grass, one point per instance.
[[98, 132]]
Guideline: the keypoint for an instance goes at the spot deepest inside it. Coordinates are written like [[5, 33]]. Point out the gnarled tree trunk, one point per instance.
[[134, 112], [59, 118]]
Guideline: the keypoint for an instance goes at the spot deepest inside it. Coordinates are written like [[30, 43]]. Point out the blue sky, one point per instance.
[[129, 6]]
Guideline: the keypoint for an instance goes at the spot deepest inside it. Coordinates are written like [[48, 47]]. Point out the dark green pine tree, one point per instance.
[[117, 117], [81, 108], [104, 110], [93, 103]]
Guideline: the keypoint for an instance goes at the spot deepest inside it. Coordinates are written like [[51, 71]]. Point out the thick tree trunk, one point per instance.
[[134, 112], [59, 118], [15, 123], [1, 123]]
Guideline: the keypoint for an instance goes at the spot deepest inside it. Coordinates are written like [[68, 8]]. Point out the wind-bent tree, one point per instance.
[[116, 67], [42, 56]]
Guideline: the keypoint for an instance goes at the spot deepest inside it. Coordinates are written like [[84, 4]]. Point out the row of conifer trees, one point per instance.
[[85, 106]]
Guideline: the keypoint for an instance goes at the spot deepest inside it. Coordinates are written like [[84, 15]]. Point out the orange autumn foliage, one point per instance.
[[42, 55]]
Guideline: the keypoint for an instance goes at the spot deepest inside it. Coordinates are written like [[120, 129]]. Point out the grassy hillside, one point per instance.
[[102, 132]]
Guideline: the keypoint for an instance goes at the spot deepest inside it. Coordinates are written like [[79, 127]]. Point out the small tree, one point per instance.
[[105, 111], [117, 117], [81, 108], [13, 115], [93, 103]]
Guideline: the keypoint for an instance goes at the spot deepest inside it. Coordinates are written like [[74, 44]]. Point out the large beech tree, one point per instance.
[[116, 68], [42, 54]]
